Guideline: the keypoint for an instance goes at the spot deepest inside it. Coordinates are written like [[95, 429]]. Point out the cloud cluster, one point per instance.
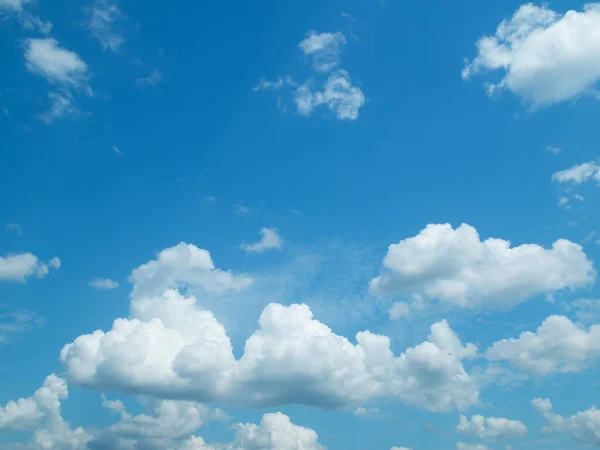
[[324, 48], [103, 16], [546, 57], [170, 347], [21, 266], [584, 426], [456, 267], [40, 414]]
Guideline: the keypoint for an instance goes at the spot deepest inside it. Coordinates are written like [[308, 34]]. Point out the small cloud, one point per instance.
[[270, 240], [553, 150], [360, 411], [209, 200], [563, 202], [46, 58], [19, 267], [242, 210], [264, 84], [151, 80], [324, 49], [138, 62], [54, 263], [15, 228], [117, 150], [103, 283], [579, 197]]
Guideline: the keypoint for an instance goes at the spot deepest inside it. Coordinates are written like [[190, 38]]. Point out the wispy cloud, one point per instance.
[[153, 79], [117, 150], [15, 322], [242, 210], [15, 228], [103, 18]]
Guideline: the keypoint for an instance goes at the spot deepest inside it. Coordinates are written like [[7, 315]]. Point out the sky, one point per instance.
[[358, 225]]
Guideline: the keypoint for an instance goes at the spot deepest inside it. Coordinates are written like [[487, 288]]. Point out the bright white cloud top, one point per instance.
[[325, 49], [579, 173], [456, 267], [545, 57], [270, 240], [492, 428]]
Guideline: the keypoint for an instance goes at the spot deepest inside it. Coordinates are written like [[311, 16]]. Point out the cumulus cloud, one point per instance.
[[558, 345], [578, 174], [19, 267], [270, 240], [456, 267], [583, 426], [339, 95], [102, 24], [491, 428], [103, 283], [324, 48], [545, 57], [40, 414], [171, 348]]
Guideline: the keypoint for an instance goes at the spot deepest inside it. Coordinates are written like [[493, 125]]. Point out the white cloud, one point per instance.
[[103, 283], [401, 448], [184, 264], [463, 446], [491, 427], [275, 432], [12, 5], [456, 267], [103, 16], [362, 411], [45, 57], [553, 150], [399, 310], [40, 414], [324, 49], [578, 174], [242, 210], [546, 57], [117, 150], [558, 345], [270, 240], [264, 84], [153, 79], [343, 99], [563, 202], [171, 348], [584, 426], [24, 265]]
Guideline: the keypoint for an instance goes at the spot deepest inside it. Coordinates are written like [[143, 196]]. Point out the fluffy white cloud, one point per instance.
[[275, 432], [491, 427], [456, 267], [343, 99], [559, 345], [41, 415], [578, 174], [463, 446], [584, 426], [103, 283], [171, 348], [324, 48], [546, 57], [24, 265], [103, 16], [270, 240], [45, 57]]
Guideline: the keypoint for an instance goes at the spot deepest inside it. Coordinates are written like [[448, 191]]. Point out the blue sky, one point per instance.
[[297, 226]]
